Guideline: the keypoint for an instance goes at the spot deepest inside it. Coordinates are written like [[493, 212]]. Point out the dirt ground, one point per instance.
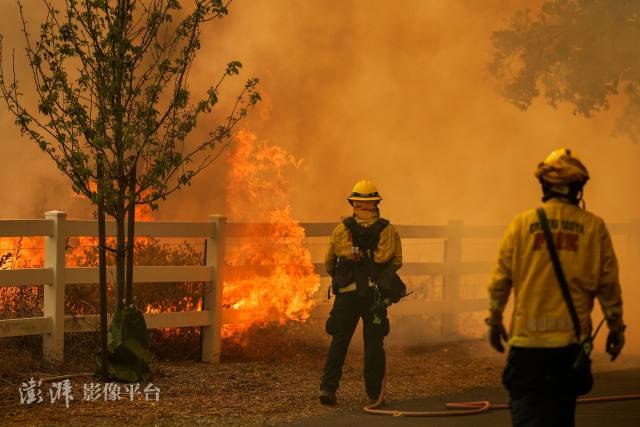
[[276, 382], [270, 377]]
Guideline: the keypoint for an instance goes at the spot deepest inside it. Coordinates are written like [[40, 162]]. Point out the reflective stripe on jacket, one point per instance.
[[541, 317], [389, 250]]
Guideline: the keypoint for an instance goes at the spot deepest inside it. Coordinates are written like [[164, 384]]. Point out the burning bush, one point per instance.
[[257, 193], [81, 299]]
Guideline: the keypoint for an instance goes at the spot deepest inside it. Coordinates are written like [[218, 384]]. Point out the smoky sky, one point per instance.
[[359, 89], [396, 92]]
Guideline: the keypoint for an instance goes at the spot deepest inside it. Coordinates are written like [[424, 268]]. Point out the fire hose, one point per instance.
[[478, 407], [471, 408]]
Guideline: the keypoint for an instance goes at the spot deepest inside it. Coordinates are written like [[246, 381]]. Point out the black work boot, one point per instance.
[[327, 397]]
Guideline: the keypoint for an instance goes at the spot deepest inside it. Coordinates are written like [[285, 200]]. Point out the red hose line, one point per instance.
[[609, 398], [470, 408], [470, 405], [482, 407]]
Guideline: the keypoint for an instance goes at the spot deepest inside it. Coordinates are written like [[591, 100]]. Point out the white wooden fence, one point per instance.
[[55, 275], [56, 228]]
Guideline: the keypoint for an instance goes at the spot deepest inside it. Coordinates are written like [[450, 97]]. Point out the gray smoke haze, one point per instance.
[[396, 92]]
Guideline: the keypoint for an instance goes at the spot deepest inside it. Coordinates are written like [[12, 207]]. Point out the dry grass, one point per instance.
[[271, 377]]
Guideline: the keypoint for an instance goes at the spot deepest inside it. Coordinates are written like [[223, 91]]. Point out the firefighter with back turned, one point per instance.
[[557, 259], [364, 252]]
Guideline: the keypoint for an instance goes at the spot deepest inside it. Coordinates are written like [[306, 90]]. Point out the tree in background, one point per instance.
[[114, 111], [582, 52]]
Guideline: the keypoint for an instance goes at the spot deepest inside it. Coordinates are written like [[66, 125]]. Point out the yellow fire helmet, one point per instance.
[[562, 167], [364, 190]]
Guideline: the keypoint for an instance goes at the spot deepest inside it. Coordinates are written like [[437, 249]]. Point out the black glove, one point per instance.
[[497, 334], [615, 342]]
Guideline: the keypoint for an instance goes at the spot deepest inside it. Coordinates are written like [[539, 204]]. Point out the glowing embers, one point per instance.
[[28, 252], [21, 252]]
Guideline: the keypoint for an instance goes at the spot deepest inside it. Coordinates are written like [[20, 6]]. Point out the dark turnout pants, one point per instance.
[[541, 386], [348, 308]]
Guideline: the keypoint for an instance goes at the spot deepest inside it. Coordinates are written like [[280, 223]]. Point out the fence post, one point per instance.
[[213, 290], [54, 245], [451, 285]]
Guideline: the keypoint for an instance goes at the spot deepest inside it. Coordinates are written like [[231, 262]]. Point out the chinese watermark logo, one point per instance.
[[59, 390], [31, 392]]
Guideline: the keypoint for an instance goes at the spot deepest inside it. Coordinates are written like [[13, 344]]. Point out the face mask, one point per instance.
[[364, 213]]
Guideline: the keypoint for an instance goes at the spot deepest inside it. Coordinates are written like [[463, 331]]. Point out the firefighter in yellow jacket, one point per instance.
[[542, 338], [359, 244]]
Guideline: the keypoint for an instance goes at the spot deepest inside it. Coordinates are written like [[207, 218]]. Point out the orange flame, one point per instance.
[[257, 192], [28, 252], [21, 252], [77, 255]]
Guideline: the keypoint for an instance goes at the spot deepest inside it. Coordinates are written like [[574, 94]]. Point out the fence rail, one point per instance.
[[55, 276], [55, 228]]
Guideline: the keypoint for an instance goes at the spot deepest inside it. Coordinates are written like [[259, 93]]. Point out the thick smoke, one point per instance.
[[398, 93]]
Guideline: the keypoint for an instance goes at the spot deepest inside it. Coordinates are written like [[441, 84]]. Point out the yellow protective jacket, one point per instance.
[[389, 250], [540, 316]]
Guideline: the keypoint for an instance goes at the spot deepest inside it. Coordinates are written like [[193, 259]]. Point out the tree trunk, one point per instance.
[[120, 254], [102, 268], [131, 221], [118, 50]]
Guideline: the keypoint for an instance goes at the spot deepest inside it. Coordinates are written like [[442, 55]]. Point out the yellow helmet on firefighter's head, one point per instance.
[[562, 167], [366, 191]]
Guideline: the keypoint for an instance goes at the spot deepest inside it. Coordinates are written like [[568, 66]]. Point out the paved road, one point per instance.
[[618, 414]]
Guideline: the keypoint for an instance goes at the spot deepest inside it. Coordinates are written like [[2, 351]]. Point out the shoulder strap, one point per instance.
[[378, 226], [366, 238], [562, 280], [349, 223]]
